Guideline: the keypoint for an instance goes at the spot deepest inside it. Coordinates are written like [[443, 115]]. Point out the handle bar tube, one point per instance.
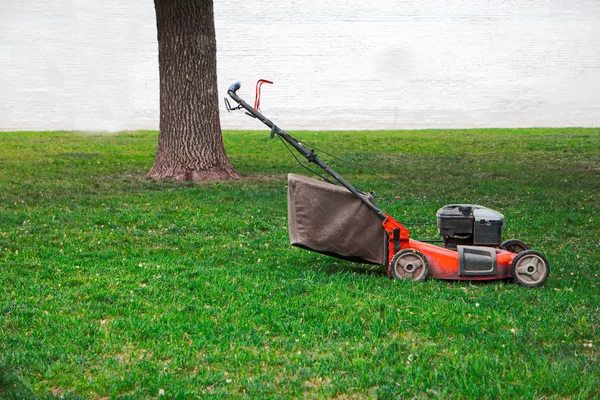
[[308, 154]]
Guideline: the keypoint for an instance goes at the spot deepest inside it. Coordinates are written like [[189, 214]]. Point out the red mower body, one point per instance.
[[443, 263]]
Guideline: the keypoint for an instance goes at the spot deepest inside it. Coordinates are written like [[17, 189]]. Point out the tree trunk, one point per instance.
[[190, 145]]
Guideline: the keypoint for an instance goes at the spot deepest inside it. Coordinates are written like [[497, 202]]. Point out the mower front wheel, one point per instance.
[[530, 268], [409, 264]]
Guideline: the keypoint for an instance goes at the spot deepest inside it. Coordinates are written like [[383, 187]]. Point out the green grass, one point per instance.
[[116, 286]]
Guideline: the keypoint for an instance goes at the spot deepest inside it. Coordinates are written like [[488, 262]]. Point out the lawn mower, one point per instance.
[[341, 221]]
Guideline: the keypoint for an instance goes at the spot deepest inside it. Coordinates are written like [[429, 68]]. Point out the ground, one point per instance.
[[115, 285]]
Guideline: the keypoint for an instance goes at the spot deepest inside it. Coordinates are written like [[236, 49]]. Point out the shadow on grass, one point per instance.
[[482, 283], [380, 270], [341, 267], [12, 388]]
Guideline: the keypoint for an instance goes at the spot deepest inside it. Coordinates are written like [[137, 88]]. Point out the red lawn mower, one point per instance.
[[340, 221]]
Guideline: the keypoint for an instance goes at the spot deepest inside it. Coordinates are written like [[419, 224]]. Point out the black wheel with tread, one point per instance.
[[514, 246], [530, 268], [409, 264]]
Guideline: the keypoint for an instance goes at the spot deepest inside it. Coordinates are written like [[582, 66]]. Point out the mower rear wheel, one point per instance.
[[514, 246], [409, 264], [530, 268]]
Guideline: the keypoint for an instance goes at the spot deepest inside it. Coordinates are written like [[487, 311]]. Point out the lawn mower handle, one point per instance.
[[234, 87], [308, 154]]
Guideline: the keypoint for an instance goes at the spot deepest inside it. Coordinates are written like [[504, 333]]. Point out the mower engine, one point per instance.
[[469, 225]]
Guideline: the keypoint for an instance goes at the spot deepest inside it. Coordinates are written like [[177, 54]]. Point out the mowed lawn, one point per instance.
[[114, 286]]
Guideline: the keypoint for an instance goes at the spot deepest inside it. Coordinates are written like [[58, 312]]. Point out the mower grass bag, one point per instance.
[[328, 219]]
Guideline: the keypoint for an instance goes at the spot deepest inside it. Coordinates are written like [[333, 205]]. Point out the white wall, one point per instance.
[[92, 65]]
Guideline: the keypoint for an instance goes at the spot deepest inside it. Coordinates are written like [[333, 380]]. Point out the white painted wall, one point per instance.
[[92, 65]]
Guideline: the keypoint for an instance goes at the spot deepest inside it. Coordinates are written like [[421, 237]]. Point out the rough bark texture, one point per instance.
[[190, 145]]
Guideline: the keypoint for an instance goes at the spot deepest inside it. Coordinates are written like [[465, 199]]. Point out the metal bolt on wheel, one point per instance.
[[409, 264], [530, 268]]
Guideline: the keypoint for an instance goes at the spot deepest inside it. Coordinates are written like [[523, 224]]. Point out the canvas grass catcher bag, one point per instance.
[[328, 219]]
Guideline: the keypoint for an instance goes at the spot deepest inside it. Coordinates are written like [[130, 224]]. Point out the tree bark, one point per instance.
[[190, 144]]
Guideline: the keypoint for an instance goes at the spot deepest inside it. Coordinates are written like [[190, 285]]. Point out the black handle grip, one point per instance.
[[234, 87]]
